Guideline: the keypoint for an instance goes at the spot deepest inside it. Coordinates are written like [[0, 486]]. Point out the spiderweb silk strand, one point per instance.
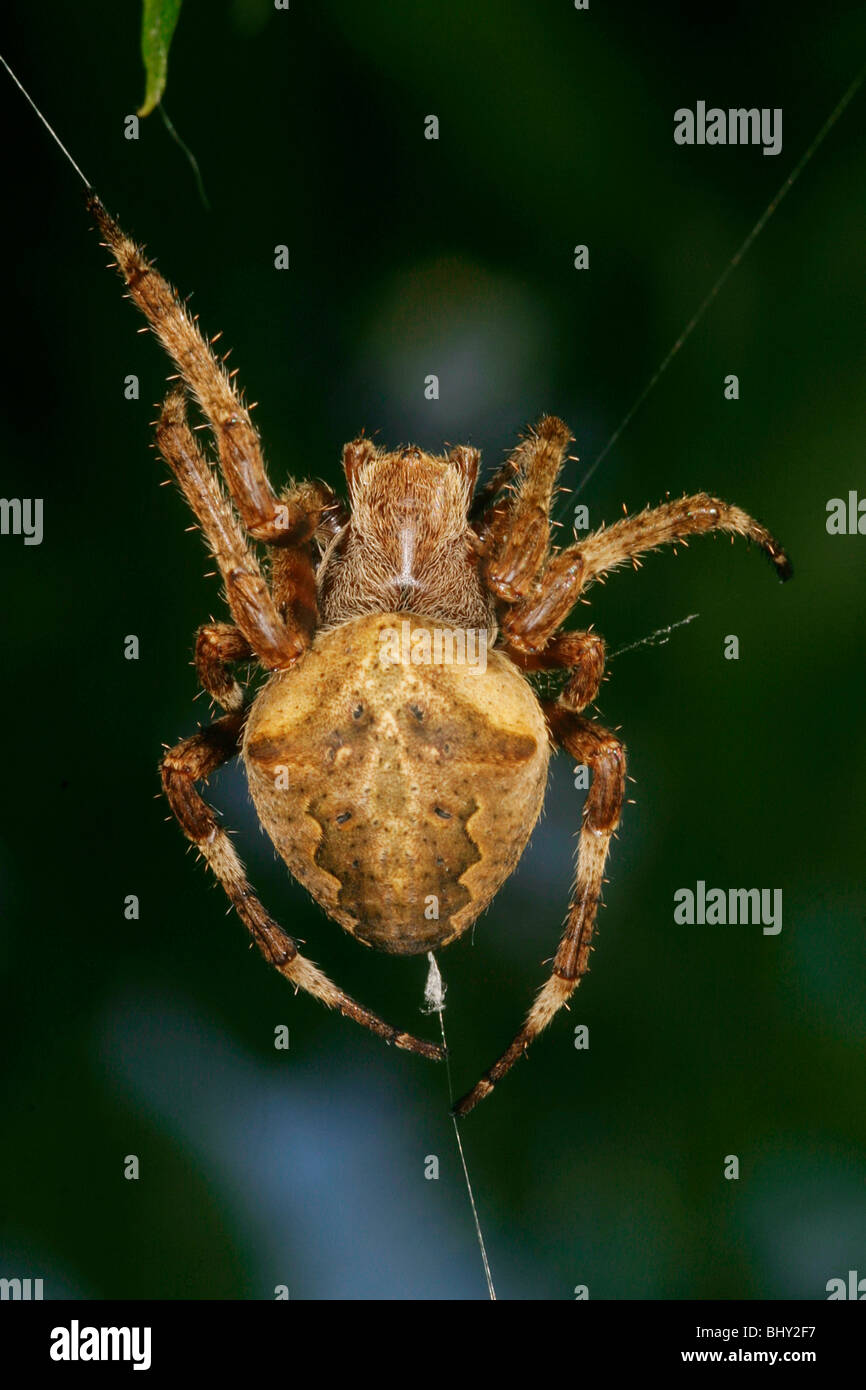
[[728, 270], [51, 131], [434, 1003]]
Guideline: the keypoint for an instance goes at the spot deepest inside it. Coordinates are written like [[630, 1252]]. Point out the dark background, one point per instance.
[[155, 1037]]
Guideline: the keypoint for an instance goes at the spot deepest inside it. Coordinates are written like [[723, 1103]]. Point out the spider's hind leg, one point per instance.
[[603, 753], [191, 761]]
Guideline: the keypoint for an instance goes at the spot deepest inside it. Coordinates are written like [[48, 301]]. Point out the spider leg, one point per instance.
[[482, 509], [605, 755], [237, 442], [194, 759], [309, 514], [277, 639], [582, 653], [516, 533], [530, 623], [669, 523], [217, 645]]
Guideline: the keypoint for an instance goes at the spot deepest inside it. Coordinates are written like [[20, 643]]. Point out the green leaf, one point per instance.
[[158, 21]]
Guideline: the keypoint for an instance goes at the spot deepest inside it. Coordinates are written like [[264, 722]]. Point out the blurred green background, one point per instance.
[[155, 1037]]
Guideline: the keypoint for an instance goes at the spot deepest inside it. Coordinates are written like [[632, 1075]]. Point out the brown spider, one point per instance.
[[401, 792]]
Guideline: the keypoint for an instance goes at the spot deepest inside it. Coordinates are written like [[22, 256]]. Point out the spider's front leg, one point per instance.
[[604, 754], [236, 439], [195, 759], [277, 635], [219, 646], [515, 533]]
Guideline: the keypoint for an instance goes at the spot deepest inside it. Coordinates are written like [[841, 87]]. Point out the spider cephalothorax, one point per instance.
[[408, 544], [397, 754]]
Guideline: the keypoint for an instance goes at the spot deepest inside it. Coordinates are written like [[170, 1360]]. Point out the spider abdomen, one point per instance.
[[399, 788]]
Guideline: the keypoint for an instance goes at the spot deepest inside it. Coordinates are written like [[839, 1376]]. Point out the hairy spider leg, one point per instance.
[[532, 621], [217, 647], [517, 536], [247, 594], [605, 756], [288, 523]]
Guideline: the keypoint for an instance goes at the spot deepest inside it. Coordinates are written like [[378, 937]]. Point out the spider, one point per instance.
[[401, 793]]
